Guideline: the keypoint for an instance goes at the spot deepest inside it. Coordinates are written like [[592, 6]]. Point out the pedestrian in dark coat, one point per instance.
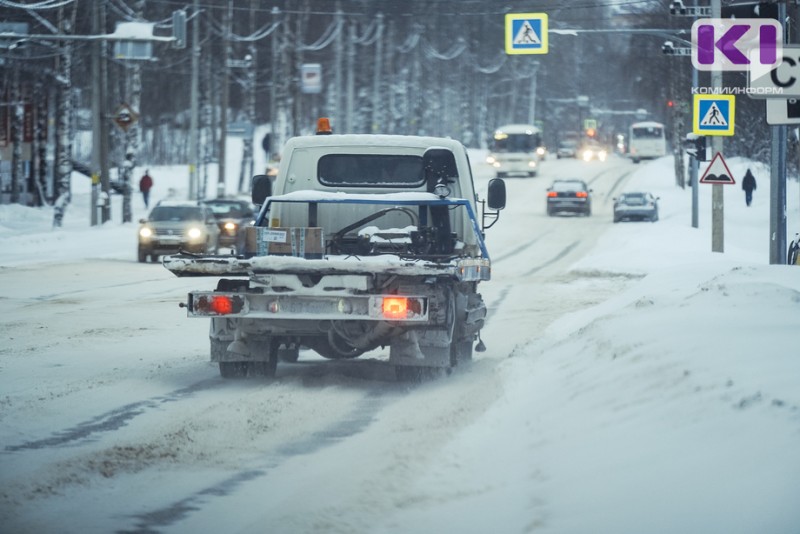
[[749, 185], [144, 186]]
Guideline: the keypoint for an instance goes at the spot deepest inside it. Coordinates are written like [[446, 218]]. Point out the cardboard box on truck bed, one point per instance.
[[300, 242]]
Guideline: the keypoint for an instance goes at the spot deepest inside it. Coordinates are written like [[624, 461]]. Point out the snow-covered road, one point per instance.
[[113, 419]]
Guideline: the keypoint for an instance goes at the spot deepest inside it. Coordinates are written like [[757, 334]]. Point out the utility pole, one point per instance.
[[351, 68], [273, 87], [194, 162], [532, 108], [376, 80], [17, 118], [777, 198], [64, 136], [227, 22], [105, 168], [132, 132], [717, 193], [693, 171], [101, 201], [338, 53], [246, 168]]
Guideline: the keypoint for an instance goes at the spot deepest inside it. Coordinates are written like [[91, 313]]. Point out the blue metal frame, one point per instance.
[[390, 202]]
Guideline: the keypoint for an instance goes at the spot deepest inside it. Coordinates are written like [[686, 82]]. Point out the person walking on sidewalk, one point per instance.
[[145, 184], [749, 185]]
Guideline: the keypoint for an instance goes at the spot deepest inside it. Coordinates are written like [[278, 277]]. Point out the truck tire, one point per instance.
[[466, 322], [263, 368], [289, 354], [233, 369], [243, 369]]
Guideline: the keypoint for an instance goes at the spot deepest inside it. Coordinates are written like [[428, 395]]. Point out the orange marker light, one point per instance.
[[324, 126], [395, 307]]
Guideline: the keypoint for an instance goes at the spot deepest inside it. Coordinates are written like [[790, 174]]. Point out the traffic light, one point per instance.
[[702, 148], [695, 146], [179, 29], [677, 8], [670, 103]]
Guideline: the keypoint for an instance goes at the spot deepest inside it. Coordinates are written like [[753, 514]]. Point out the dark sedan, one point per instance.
[[637, 206], [571, 196], [233, 216]]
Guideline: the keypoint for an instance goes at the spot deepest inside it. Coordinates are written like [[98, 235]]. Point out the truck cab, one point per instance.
[[395, 167]]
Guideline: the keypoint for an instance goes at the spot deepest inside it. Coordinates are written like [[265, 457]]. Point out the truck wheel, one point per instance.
[[233, 369], [266, 369], [289, 354]]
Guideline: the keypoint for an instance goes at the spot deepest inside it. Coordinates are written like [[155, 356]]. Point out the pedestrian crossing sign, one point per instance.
[[713, 114], [526, 33]]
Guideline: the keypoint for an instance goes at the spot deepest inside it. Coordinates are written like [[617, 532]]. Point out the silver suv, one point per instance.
[[175, 226]]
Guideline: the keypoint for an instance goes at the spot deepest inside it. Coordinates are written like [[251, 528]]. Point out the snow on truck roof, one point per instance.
[[309, 195], [365, 140]]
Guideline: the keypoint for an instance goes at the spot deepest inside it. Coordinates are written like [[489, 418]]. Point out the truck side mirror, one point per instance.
[[262, 188], [497, 194]]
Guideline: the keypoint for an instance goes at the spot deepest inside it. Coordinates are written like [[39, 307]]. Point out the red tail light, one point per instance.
[[217, 304], [581, 194], [222, 305], [552, 194]]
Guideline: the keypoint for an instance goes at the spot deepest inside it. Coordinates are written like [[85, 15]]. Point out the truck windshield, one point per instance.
[[370, 170]]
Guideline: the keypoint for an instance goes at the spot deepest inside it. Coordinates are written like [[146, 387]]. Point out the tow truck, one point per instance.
[[362, 242]]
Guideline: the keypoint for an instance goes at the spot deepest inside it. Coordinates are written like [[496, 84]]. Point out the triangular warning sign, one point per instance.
[[526, 35], [714, 117], [717, 172]]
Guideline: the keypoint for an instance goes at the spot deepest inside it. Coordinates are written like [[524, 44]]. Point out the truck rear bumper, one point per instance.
[[394, 308]]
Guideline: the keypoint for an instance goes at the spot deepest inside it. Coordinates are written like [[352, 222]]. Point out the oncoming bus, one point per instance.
[[516, 149], [646, 141]]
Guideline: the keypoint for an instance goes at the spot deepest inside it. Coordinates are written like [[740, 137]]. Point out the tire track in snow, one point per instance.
[[356, 422], [112, 420], [492, 308]]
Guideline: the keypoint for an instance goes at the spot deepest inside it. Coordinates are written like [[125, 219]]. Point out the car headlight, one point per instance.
[[490, 160], [587, 155], [194, 233], [540, 151], [602, 155], [532, 163], [230, 226], [145, 232]]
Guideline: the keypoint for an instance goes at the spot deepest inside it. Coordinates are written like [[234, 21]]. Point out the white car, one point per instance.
[[567, 149]]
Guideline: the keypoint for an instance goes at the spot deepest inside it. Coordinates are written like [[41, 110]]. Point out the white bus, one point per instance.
[[646, 141], [516, 149]]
